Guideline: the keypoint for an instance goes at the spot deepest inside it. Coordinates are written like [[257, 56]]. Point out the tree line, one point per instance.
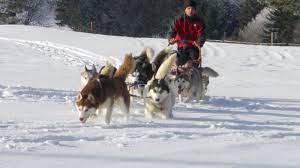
[[152, 18]]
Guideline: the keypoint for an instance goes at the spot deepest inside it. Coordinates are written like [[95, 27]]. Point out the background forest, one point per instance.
[[244, 20]]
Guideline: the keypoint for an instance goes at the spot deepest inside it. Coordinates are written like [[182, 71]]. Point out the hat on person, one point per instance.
[[188, 3]]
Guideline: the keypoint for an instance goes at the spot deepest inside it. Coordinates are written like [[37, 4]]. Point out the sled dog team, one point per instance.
[[146, 76]]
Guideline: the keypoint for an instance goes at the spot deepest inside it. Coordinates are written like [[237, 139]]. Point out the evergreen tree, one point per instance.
[[126, 17], [68, 13], [249, 10], [283, 20], [209, 12], [220, 16], [227, 18], [286, 5], [6, 15]]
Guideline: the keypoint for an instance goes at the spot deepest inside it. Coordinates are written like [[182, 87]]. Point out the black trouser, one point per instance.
[[186, 54]]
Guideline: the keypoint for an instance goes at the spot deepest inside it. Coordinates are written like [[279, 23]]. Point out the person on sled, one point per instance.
[[188, 31]]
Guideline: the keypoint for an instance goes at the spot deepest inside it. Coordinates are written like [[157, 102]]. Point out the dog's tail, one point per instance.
[[126, 68], [207, 71], [165, 67], [148, 52], [160, 57]]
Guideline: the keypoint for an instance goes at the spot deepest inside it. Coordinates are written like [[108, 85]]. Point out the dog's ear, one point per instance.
[[94, 69], [171, 78], [79, 96], [85, 68], [129, 55], [91, 98]]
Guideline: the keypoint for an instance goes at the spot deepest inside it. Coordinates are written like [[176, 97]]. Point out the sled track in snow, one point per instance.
[[70, 56], [29, 94], [217, 119]]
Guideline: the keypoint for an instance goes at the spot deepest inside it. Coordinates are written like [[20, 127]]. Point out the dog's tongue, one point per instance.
[[135, 87]]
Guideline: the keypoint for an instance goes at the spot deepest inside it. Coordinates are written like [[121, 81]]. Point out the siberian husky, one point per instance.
[[159, 96], [142, 72], [103, 92], [192, 84]]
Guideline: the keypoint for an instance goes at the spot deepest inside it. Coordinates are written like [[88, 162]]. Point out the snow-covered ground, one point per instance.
[[250, 118]]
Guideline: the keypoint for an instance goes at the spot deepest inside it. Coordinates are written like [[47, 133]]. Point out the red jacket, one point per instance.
[[188, 29]]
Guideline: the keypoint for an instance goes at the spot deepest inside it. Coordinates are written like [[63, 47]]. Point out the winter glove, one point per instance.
[[197, 45]]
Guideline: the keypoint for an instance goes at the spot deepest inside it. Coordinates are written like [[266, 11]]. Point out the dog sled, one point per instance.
[[158, 90], [192, 70], [179, 69]]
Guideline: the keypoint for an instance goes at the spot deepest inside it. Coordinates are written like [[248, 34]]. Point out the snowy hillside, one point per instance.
[[250, 118]]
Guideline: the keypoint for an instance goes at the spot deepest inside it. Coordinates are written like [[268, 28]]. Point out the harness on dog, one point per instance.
[[135, 85], [139, 96]]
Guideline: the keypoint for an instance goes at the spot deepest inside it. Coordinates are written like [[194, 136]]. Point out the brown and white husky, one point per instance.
[[103, 92]]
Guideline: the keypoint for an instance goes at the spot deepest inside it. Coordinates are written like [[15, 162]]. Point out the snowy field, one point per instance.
[[250, 116]]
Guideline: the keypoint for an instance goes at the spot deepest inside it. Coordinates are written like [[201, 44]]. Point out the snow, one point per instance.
[[249, 118]]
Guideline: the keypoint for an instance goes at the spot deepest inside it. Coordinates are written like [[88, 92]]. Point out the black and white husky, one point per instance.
[[146, 65], [159, 96], [142, 72]]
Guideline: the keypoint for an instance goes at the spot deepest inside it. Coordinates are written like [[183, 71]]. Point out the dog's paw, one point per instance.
[[148, 115], [93, 116], [126, 118]]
